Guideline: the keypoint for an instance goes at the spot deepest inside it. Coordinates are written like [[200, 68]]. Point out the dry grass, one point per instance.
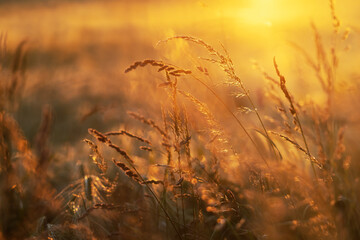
[[195, 162]]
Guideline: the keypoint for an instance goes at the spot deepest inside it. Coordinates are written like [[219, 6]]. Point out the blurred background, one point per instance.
[[76, 51]]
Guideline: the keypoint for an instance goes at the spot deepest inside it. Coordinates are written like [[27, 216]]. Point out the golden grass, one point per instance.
[[190, 167]]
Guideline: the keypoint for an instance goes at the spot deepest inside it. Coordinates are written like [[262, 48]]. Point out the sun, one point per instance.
[[277, 12]]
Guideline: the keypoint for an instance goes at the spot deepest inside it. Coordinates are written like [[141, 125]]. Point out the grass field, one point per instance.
[[179, 120]]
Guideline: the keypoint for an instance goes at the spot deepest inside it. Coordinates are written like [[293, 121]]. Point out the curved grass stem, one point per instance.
[[234, 116]]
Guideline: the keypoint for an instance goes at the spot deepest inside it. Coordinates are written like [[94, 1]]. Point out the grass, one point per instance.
[[201, 159]]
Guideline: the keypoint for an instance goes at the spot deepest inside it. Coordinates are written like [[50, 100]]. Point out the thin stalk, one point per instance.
[[294, 113], [236, 118], [177, 136], [305, 142], [156, 198], [231, 73], [261, 122], [188, 156], [164, 193]]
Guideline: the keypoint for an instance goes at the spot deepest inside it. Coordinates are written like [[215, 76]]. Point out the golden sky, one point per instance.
[[256, 29]]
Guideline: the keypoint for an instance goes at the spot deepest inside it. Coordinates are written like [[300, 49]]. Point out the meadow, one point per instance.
[[179, 120]]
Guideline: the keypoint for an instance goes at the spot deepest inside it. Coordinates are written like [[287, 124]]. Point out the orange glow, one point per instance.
[[168, 119]]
